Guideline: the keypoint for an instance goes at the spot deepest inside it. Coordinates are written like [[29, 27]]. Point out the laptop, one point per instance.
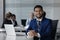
[[23, 22], [11, 31]]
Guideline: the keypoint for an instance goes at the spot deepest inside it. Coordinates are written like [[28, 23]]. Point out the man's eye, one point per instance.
[[36, 11]]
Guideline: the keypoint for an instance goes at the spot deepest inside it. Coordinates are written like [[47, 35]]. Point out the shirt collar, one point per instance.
[[39, 19]]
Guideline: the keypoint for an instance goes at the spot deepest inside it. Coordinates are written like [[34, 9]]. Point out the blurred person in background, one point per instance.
[[28, 20], [14, 22], [7, 19]]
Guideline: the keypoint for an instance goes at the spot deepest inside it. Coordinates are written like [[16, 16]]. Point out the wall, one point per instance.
[[1, 12], [23, 8]]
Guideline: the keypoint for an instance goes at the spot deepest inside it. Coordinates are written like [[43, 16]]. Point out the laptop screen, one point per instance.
[[23, 22]]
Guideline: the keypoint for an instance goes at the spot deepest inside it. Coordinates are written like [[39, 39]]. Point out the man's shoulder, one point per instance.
[[47, 19], [33, 21]]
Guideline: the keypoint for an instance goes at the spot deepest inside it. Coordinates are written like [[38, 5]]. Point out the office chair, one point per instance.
[[54, 28]]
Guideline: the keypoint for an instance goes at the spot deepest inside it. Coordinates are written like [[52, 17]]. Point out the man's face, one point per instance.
[[13, 18], [38, 12]]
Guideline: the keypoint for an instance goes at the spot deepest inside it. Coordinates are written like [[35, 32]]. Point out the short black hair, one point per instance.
[[13, 15], [38, 6], [44, 14]]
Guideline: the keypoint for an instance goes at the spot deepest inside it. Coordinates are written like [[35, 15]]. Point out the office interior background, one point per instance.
[[23, 8]]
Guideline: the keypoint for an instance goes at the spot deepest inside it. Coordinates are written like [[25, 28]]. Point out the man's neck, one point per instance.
[[39, 19]]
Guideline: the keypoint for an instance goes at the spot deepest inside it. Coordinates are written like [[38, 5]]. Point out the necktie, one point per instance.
[[38, 24]]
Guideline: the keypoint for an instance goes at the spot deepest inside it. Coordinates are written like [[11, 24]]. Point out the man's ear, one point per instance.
[[44, 14]]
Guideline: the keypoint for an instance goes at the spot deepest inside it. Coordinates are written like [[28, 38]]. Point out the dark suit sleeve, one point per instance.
[[29, 28], [47, 32], [15, 23]]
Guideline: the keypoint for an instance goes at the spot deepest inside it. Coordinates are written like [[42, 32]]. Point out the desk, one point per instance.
[[3, 36], [19, 28], [16, 29], [2, 29], [57, 36]]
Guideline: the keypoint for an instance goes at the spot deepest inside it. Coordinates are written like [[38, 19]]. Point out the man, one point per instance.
[[14, 22], [40, 26]]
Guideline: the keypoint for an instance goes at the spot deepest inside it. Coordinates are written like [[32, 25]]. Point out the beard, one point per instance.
[[39, 16]]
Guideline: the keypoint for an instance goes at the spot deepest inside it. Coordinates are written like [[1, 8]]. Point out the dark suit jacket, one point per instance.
[[45, 28], [6, 21], [15, 23]]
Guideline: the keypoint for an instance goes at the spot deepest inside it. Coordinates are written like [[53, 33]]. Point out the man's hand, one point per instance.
[[32, 33]]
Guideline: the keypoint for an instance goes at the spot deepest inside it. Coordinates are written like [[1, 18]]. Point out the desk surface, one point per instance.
[[16, 29], [3, 36]]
